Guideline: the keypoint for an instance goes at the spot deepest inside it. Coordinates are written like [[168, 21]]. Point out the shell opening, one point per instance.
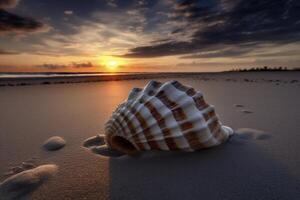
[[123, 145]]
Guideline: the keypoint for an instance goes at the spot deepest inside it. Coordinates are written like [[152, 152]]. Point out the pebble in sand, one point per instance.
[[54, 143], [25, 182]]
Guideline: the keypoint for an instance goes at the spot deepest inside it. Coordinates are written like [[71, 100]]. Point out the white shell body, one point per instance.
[[167, 116]]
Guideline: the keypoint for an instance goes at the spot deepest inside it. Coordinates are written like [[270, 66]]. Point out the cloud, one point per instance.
[[12, 23], [8, 3], [5, 52], [106, 33], [68, 12], [52, 66], [219, 25], [92, 32], [75, 65], [222, 52], [82, 65], [111, 3], [189, 64]]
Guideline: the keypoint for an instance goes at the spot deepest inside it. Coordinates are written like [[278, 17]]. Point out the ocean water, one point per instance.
[[58, 75]]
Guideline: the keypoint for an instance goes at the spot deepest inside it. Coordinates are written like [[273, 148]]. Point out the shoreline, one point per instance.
[[205, 76], [22, 81]]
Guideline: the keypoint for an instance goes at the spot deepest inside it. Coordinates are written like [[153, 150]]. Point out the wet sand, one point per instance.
[[240, 169]]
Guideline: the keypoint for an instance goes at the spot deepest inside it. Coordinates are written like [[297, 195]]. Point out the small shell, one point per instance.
[[164, 116]]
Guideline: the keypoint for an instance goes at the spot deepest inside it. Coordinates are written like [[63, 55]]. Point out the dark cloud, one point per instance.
[[111, 3], [8, 3], [82, 65], [52, 66], [4, 52], [12, 23], [190, 64], [217, 25], [72, 65], [221, 52]]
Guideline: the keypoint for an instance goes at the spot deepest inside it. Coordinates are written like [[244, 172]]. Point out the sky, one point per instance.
[[148, 35]]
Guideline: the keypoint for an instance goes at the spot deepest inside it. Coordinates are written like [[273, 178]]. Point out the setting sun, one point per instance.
[[111, 63]]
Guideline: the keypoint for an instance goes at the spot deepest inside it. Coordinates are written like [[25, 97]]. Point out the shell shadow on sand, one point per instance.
[[228, 171]]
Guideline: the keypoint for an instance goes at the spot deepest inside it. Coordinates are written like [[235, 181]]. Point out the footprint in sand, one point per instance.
[[238, 105], [249, 133], [15, 169], [25, 182], [246, 111], [96, 144], [242, 106]]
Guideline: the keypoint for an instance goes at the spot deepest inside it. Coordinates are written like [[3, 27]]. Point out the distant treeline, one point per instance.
[[264, 68]]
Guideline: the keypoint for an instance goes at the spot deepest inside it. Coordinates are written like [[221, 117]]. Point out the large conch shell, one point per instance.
[[164, 116]]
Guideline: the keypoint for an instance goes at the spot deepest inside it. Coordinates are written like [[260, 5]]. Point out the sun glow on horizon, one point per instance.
[[111, 63]]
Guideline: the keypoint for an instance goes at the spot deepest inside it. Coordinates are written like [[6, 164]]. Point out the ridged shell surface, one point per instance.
[[167, 116]]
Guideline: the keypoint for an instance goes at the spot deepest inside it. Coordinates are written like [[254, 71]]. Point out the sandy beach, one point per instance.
[[243, 168]]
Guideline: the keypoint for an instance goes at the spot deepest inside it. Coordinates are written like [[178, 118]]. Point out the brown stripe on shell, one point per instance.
[[151, 93], [132, 131], [213, 127], [200, 103], [165, 100], [209, 115], [186, 126], [141, 121], [117, 125], [156, 84], [146, 130], [179, 115], [218, 134], [193, 142], [188, 90], [121, 126], [192, 136], [153, 85], [162, 124]]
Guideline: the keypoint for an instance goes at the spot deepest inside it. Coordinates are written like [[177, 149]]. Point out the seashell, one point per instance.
[[164, 116]]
